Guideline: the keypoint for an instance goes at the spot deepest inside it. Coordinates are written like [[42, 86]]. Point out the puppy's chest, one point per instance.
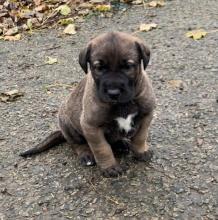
[[126, 124], [124, 120]]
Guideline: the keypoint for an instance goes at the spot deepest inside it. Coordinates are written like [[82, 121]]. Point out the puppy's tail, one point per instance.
[[53, 139]]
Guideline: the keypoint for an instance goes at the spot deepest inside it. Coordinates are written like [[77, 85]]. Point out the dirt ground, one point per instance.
[[182, 180]]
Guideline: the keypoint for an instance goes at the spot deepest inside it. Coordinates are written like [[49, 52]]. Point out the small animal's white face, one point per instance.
[[126, 123]]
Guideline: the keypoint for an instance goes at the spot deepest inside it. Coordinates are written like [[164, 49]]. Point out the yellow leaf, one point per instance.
[[70, 29], [50, 60], [196, 34], [103, 8], [147, 27], [64, 9], [13, 38], [29, 24], [66, 21], [155, 4]]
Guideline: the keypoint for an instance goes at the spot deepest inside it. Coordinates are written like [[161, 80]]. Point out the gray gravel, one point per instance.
[[182, 180]]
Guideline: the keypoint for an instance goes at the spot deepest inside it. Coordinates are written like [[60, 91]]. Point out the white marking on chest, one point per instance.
[[126, 123]]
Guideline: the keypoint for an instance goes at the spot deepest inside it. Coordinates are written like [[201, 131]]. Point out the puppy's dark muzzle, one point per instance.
[[113, 94], [115, 90]]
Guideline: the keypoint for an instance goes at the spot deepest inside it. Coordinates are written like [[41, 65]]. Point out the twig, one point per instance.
[[52, 47], [60, 85]]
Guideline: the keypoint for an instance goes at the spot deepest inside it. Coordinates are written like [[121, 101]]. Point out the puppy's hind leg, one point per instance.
[[78, 143]]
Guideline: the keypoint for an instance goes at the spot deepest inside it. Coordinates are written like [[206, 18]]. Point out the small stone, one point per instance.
[[199, 141], [178, 189], [89, 210]]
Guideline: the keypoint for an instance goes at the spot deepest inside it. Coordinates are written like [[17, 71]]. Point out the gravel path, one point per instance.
[[182, 180]]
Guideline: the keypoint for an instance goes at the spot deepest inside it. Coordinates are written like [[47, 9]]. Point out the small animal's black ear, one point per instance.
[[144, 53], [84, 57]]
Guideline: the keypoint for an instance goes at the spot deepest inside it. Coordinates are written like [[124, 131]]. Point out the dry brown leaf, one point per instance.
[[11, 31], [155, 4], [86, 5], [70, 29], [137, 2], [97, 1], [147, 27], [176, 84], [196, 34], [10, 96], [41, 8], [13, 38], [37, 2], [83, 12]]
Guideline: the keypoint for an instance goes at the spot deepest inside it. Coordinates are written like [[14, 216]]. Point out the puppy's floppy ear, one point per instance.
[[144, 53], [84, 57]]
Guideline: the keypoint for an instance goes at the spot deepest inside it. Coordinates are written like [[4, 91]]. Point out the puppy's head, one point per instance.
[[115, 62]]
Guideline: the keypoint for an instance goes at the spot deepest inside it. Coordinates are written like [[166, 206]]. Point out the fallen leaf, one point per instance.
[[97, 1], [11, 31], [103, 8], [176, 83], [64, 10], [155, 4], [10, 96], [37, 2], [85, 5], [137, 2], [29, 24], [66, 21], [50, 60], [70, 29], [196, 34], [13, 38], [147, 27], [41, 8], [83, 12]]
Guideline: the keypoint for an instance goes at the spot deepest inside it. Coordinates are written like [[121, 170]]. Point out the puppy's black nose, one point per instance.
[[113, 93]]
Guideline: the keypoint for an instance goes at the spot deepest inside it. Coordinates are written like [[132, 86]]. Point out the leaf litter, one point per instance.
[[18, 16]]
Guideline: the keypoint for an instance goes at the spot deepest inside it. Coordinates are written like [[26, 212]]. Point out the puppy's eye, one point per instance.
[[129, 65], [99, 66]]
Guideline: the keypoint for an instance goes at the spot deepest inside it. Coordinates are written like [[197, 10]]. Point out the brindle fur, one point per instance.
[[86, 118]]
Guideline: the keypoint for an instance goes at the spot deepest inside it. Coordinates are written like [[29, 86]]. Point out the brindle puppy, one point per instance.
[[113, 103]]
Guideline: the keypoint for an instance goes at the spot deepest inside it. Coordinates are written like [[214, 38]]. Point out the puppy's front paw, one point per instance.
[[145, 156], [113, 171]]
